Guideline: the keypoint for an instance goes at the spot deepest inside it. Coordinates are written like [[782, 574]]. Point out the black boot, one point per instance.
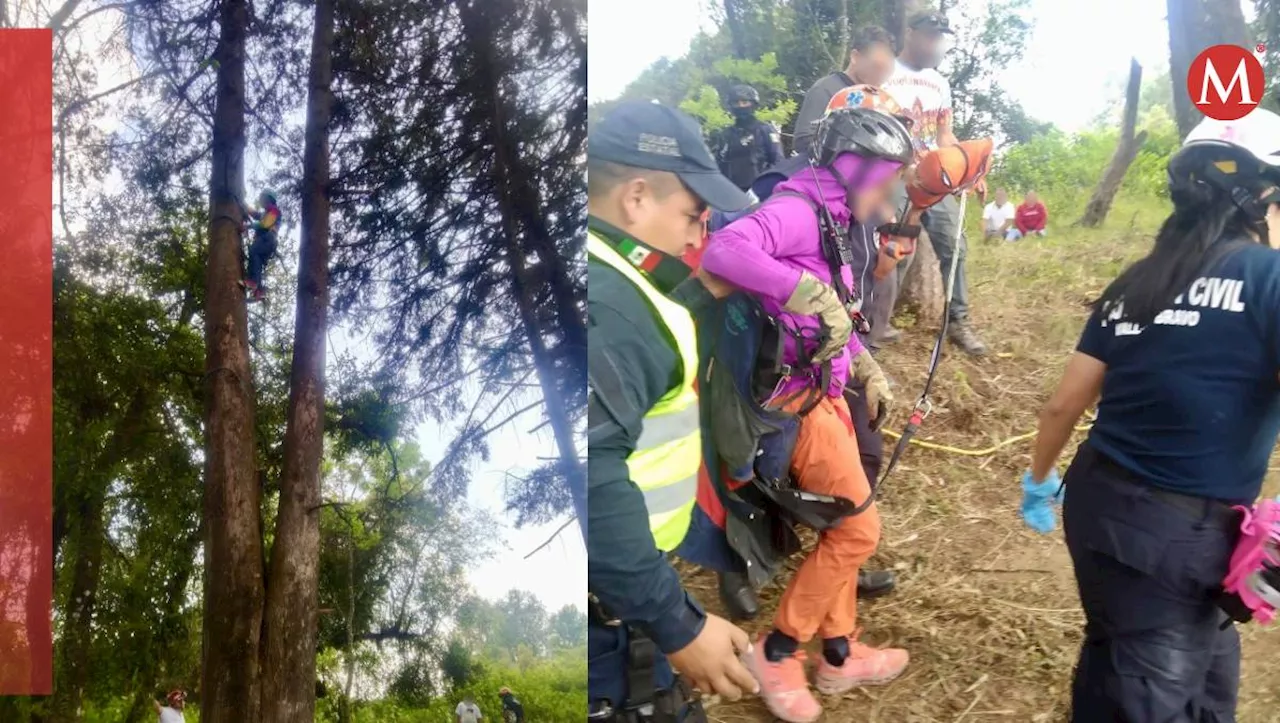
[[875, 583], [738, 596]]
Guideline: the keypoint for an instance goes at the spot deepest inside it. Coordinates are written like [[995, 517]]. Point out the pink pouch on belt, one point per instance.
[[1254, 574]]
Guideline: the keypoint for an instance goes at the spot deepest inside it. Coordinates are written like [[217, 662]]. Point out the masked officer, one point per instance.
[[651, 182], [747, 148]]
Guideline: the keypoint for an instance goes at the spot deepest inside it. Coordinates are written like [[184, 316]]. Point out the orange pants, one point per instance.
[[823, 596]]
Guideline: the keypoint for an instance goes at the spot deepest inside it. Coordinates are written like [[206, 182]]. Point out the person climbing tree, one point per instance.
[[266, 220], [171, 711]]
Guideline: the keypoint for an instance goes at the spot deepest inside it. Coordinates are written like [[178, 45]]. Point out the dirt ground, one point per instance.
[[987, 608]]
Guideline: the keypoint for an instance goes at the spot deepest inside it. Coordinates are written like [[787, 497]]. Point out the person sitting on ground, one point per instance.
[[1182, 357], [467, 711], [1031, 218], [266, 222], [171, 711], [778, 255], [870, 63], [997, 217], [512, 711]]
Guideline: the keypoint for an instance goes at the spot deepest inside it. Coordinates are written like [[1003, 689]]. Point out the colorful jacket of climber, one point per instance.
[[764, 253], [266, 218]]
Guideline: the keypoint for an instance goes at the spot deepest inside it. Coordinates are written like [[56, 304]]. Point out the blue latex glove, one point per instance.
[[1038, 499]]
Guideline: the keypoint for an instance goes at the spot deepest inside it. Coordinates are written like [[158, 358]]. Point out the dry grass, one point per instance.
[[987, 608]]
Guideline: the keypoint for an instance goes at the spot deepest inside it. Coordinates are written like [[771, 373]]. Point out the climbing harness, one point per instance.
[[924, 405], [1251, 590]]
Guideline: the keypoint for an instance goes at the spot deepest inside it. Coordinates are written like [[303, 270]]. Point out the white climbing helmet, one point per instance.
[[1253, 141]]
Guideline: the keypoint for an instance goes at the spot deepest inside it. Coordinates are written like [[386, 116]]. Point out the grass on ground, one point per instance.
[[987, 608]]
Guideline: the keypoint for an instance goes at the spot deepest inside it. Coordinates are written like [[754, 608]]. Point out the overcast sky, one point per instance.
[[1076, 50]]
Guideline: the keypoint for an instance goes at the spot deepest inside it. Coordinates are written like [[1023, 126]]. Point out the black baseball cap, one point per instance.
[[936, 22], [659, 138]]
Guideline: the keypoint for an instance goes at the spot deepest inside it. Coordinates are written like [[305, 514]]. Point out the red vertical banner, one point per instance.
[[26, 362]]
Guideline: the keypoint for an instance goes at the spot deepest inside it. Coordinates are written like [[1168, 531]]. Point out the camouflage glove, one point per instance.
[[814, 298], [865, 369]]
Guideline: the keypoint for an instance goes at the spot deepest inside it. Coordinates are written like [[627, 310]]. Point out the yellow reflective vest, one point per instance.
[[665, 462]]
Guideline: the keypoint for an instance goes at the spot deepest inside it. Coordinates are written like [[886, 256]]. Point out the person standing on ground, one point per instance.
[[650, 183], [997, 217], [1032, 218], [171, 711], [1188, 415], [870, 63], [707, 544], [780, 255], [925, 95], [512, 711], [467, 711], [750, 145]]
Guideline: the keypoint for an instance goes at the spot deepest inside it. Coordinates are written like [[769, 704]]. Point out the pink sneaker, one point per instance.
[[783, 685], [864, 666]]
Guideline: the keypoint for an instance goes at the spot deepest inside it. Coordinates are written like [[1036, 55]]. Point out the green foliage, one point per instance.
[[704, 102], [555, 690], [798, 41], [1069, 166], [705, 105]]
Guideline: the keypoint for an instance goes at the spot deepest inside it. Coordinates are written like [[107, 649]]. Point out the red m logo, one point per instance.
[[1240, 93]]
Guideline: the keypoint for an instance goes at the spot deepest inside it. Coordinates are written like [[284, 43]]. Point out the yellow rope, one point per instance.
[[977, 452]]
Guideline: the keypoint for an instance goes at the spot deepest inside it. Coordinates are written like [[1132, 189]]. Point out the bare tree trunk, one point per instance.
[[894, 15], [289, 662], [233, 591], [923, 288], [1193, 26], [1127, 150], [843, 33], [737, 34]]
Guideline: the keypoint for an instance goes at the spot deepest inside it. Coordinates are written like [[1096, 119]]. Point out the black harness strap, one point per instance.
[[923, 406]]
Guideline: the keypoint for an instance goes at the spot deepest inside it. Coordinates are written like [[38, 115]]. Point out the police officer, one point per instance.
[[745, 149], [1183, 352], [651, 181]]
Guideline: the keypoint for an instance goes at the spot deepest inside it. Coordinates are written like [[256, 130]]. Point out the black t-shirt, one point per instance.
[[1191, 403]]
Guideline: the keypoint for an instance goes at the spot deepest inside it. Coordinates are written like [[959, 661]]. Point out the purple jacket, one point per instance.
[[765, 252]]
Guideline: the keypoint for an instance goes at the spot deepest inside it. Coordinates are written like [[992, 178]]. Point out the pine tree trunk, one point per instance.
[[520, 220], [737, 34], [76, 640], [923, 288], [233, 582], [89, 535], [894, 15], [1193, 26], [289, 661], [349, 658], [842, 33]]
